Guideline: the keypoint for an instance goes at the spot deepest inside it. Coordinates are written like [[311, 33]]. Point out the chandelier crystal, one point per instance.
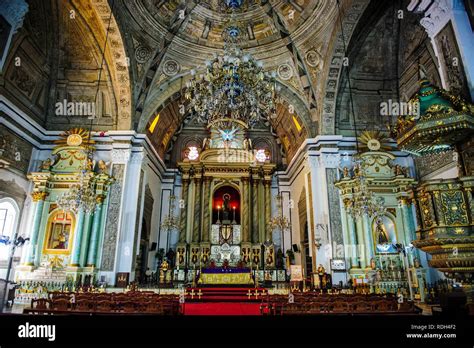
[[363, 200], [279, 222], [170, 222], [233, 88], [80, 196]]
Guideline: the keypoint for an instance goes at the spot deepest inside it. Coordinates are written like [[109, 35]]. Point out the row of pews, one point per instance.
[[132, 302], [316, 303]]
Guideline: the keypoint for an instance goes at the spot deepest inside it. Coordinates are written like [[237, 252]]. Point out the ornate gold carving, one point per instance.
[[39, 196], [99, 199]]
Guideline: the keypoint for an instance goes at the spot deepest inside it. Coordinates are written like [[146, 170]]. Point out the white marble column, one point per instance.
[[125, 252]]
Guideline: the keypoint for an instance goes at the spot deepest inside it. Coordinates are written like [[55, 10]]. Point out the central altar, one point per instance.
[[226, 208]]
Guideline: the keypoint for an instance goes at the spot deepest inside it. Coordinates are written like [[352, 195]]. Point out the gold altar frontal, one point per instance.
[[225, 278]]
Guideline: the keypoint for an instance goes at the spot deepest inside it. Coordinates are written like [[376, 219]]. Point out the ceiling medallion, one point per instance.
[[142, 54], [313, 58], [171, 67], [285, 71]]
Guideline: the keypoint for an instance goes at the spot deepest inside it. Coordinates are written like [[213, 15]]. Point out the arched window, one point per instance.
[[9, 213], [59, 233]]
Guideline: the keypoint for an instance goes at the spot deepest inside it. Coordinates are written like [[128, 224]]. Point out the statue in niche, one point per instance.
[[46, 164], [381, 233], [226, 207]]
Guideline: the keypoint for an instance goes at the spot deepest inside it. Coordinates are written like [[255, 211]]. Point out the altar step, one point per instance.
[[225, 294]]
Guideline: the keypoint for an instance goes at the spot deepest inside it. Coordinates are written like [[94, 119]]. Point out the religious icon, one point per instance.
[[226, 206], [382, 236], [59, 231]]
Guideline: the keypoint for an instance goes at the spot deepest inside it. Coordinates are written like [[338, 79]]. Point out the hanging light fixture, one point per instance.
[[279, 222], [234, 86], [363, 200], [80, 196], [170, 222]]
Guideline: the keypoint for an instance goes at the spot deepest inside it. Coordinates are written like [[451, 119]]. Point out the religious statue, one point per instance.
[[89, 164], [372, 263], [345, 172], [46, 164], [416, 263], [163, 269], [382, 237], [226, 207], [102, 167], [279, 259], [321, 272]]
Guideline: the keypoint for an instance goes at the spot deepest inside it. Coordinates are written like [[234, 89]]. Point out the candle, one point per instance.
[[218, 211], [234, 212]]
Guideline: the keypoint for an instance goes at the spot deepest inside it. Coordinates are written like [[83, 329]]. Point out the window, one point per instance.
[[8, 220]]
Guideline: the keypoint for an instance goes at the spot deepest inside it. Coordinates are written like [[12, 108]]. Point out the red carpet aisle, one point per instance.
[[222, 308]]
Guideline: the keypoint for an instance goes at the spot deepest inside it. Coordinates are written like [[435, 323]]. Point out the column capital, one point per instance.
[[120, 156], [39, 196], [99, 199]]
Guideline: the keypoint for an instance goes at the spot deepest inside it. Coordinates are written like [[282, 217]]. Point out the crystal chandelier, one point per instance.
[[279, 222], [234, 86], [170, 222], [363, 201], [80, 196]]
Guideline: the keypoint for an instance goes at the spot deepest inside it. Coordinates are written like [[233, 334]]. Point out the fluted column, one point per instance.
[[197, 210], [94, 241], [206, 226], [368, 239], [268, 210], [361, 243], [245, 210], [184, 211], [77, 239], [353, 241], [255, 212], [38, 202]]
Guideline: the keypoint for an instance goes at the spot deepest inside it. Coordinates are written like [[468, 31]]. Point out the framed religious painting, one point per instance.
[[59, 231]]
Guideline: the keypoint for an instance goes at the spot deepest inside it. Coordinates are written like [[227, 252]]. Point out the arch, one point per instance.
[[9, 220], [333, 66]]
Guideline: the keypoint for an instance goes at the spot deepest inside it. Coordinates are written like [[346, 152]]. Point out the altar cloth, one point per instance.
[[225, 278]]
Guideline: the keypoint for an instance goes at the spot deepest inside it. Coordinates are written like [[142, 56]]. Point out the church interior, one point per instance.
[[237, 157]]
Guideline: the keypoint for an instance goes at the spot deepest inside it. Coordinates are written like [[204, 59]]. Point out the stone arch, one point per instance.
[[333, 67]]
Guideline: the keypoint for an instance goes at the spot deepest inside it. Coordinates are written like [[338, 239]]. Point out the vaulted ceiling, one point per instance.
[[152, 45]]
